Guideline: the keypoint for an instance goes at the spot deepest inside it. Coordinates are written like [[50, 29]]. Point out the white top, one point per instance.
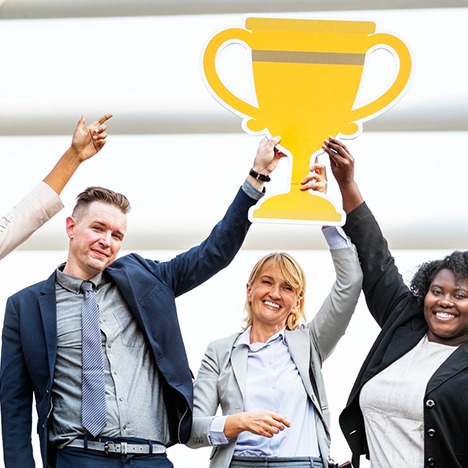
[[392, 403], [37, 207]]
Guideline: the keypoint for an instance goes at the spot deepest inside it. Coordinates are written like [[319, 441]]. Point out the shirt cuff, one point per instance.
[[45, 200], [251, 191], [216, 431], [336, 237]]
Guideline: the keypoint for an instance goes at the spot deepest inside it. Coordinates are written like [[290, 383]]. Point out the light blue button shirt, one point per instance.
[[273, 383]]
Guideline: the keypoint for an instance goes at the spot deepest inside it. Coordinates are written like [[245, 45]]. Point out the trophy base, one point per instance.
[[297, 206]]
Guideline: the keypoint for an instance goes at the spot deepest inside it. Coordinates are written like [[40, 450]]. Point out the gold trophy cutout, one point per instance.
[[306, 75]]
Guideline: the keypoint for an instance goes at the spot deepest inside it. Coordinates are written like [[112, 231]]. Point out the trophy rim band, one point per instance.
[[293, 56]]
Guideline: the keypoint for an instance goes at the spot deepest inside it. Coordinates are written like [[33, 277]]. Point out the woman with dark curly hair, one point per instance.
[[409, 404], [456, 262]]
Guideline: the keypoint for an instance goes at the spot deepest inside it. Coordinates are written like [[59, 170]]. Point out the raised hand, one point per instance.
[[341, 160], [268, 155], [89, 139], [342, 166], [317, 179]]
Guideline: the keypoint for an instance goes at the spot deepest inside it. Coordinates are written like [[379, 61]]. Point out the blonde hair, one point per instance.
[[293, 274]]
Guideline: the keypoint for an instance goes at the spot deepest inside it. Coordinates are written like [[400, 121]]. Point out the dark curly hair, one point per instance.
[[456, 262]]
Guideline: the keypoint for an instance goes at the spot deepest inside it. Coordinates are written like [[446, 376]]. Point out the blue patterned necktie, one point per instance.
[[93, 398]]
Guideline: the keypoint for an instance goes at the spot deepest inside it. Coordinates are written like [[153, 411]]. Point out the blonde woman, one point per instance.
[[267, 378]]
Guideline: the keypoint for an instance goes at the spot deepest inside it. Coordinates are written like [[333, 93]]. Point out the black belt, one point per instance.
[[118, 448]]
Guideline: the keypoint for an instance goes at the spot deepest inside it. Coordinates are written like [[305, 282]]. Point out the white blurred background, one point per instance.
[[180, 156]]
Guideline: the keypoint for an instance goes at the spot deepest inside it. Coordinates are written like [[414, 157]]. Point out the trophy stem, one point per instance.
[[298, 206]]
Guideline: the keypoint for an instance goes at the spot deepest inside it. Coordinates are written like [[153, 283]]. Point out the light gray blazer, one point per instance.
[[222, 374]]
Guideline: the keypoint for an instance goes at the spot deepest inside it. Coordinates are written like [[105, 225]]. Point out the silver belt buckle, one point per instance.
[[115, 447]]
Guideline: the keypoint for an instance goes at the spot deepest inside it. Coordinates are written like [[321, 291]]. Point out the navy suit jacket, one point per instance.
[[29, 340]]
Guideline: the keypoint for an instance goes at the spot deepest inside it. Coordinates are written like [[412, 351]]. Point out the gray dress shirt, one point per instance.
[[134, 402]]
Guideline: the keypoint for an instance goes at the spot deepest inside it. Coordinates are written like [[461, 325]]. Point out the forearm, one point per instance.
[[220, 429], [62, 172], [206, 403], [330, 323], [234, 425], [383, 285], [26, 216], [190, 269], [351, 196]]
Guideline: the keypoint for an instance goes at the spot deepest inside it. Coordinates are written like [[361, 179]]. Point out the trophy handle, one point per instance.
[[211, 74], [398, 85]]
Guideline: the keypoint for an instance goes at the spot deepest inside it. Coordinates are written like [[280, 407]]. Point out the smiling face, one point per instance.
[[446, 309], [95, 239], [272, 299]]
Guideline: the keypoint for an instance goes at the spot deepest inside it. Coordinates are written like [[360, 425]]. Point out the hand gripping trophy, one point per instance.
[[306, 75]]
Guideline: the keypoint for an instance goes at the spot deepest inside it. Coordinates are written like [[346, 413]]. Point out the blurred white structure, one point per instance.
[[171, 141]]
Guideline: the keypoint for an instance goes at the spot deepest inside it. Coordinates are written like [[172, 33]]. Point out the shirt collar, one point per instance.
[[72, 284], [244, 339]]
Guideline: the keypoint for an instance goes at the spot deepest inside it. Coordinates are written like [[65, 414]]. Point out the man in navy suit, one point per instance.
[[148, 383]]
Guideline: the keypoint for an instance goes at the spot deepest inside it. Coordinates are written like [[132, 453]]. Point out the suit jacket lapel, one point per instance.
[[299, 348], [48, 310], [457, 362], [239, 366], [124, 284]]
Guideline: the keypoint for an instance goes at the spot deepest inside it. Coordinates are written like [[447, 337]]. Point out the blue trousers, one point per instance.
[[79, 458]]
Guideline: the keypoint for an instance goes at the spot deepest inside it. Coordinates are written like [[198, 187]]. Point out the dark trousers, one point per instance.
[[261, 462], [80, 458]]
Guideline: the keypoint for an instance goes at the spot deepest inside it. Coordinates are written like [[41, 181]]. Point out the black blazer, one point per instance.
[[149, 287], [403, 325]]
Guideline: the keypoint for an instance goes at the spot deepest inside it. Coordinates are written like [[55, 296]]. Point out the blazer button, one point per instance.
[[431, 432], [430, 403], [431, 461]]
